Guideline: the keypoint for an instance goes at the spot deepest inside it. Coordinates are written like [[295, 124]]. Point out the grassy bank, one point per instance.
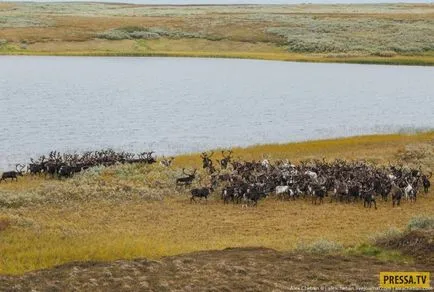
[[377, 34], [397, 60], [130, 211]]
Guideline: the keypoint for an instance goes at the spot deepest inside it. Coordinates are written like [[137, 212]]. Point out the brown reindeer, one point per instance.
[[13, 174], [186, 180]]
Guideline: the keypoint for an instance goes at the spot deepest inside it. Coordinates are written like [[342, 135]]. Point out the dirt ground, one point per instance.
[[239, 269]]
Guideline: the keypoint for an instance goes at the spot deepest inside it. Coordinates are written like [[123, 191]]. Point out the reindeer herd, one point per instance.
[[65, 165], [247, 182]]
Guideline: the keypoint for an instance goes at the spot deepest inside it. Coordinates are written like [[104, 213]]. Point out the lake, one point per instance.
[[178, 105]]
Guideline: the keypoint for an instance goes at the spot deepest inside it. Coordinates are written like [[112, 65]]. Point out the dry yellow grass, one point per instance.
[[128, 48], [53, 235], [160, 46], [44, 235], [379, 148]]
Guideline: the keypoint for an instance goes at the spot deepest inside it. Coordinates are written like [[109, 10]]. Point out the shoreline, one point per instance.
[[298, 147], [283, 57]]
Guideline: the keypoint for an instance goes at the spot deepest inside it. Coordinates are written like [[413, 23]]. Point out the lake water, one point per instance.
[[177, 105]]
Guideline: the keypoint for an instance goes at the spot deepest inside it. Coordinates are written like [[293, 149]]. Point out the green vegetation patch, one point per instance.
[[421, 222], [135, 32], [322, 246], [19, 21], [380, 37]]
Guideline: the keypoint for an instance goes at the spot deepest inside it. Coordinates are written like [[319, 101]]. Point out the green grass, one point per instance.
[[379, 253]]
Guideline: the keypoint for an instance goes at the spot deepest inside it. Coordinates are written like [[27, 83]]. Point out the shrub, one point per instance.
[[379, 37], [114, 35], [385, 54], [144, 35], [390, 234], [3, 42], [321, 246], [421, 222], [136, 32], [131, 29]]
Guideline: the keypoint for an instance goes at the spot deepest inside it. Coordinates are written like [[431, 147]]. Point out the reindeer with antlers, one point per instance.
[[13, 174], [207, 162], [148, 158], [426, 183], [186, 180], [37, 167], [167, 162], [226, 159]]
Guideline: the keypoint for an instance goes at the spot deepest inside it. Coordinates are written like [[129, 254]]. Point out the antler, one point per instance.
[[21, 167]]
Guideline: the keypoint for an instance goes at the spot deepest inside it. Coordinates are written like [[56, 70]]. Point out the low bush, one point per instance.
[[421, 222], [389, 234], [320, 247], [137, 32], [114, 35]]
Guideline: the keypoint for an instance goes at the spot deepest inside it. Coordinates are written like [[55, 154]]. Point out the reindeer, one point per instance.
[[369, 198], [410, 191], [227, 194], [149, 159], [66, 171], [207, 162], [37, 167], [396, 195], [340, 191], [318, 192], [252, 196], [167, 162], [426, 183], [201, 193], [13, 174], [187, 180], [226, 159], [206, 159]]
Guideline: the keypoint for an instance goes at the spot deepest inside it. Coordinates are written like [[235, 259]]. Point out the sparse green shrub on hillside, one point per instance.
[[383, 37], [321, 246], [114, 35], [389, 234], [137, 32], [144, 35], [421, 222]]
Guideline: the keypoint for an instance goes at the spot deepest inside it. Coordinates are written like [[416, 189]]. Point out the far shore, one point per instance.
[[397, 60], [395, 34]]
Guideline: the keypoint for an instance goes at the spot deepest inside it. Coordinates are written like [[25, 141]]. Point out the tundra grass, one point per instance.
[[131, 211], [396, 60], [378, 34]]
